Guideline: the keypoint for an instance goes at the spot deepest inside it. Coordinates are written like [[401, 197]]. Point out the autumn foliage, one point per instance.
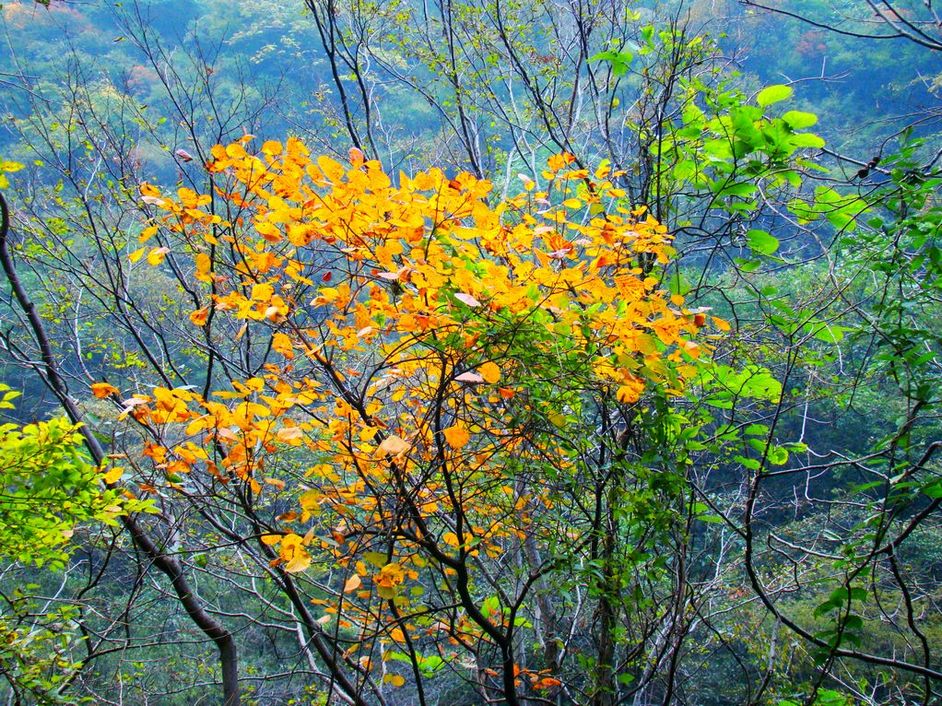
[[431, 353]]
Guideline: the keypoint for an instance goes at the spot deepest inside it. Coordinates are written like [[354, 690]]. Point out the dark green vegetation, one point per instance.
[[772, 535]]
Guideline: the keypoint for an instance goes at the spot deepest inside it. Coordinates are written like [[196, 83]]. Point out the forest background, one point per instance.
[[471, 352]]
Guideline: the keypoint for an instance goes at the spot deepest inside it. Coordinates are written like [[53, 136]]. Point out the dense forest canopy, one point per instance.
[[471, 352]]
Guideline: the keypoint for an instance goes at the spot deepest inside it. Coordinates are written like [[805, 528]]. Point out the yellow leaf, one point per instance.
[[721, 324], [156, 256], [557, 419], [114, 475], [147, 234], [388, 580], [203, 263], [294, 554], [326, 295], [490, 372], [456, 436], [262, 292], [271, 539], [394, 679], [198, 425], [310, 501], [331, 168], [136, 255]]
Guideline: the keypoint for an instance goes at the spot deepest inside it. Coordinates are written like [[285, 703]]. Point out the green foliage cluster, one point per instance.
[[47, 488]]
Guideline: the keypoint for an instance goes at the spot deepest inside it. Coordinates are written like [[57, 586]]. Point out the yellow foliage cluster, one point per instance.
[[411, 323]]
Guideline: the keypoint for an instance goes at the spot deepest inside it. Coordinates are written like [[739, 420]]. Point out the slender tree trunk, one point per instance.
[[606, 613]]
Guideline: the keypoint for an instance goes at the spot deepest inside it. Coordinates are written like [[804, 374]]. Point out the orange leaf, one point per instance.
[[630, 392], [200, 316], [101, 390], [546, 683], [456, 436], [352, 583], [280, 343]]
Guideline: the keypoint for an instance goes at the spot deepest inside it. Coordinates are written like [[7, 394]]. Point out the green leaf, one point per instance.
[[933, 490], [839, 595], [773, 94], [743, 188], [807, 139], [620, 60], [859, 594], [430, 664], [830, 333], [829, 697], [711, 519], [777, 456], [750, 463], [490, 606], [375, 558], [745, 265], [853, 622], [762, 242], [798, 120]]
